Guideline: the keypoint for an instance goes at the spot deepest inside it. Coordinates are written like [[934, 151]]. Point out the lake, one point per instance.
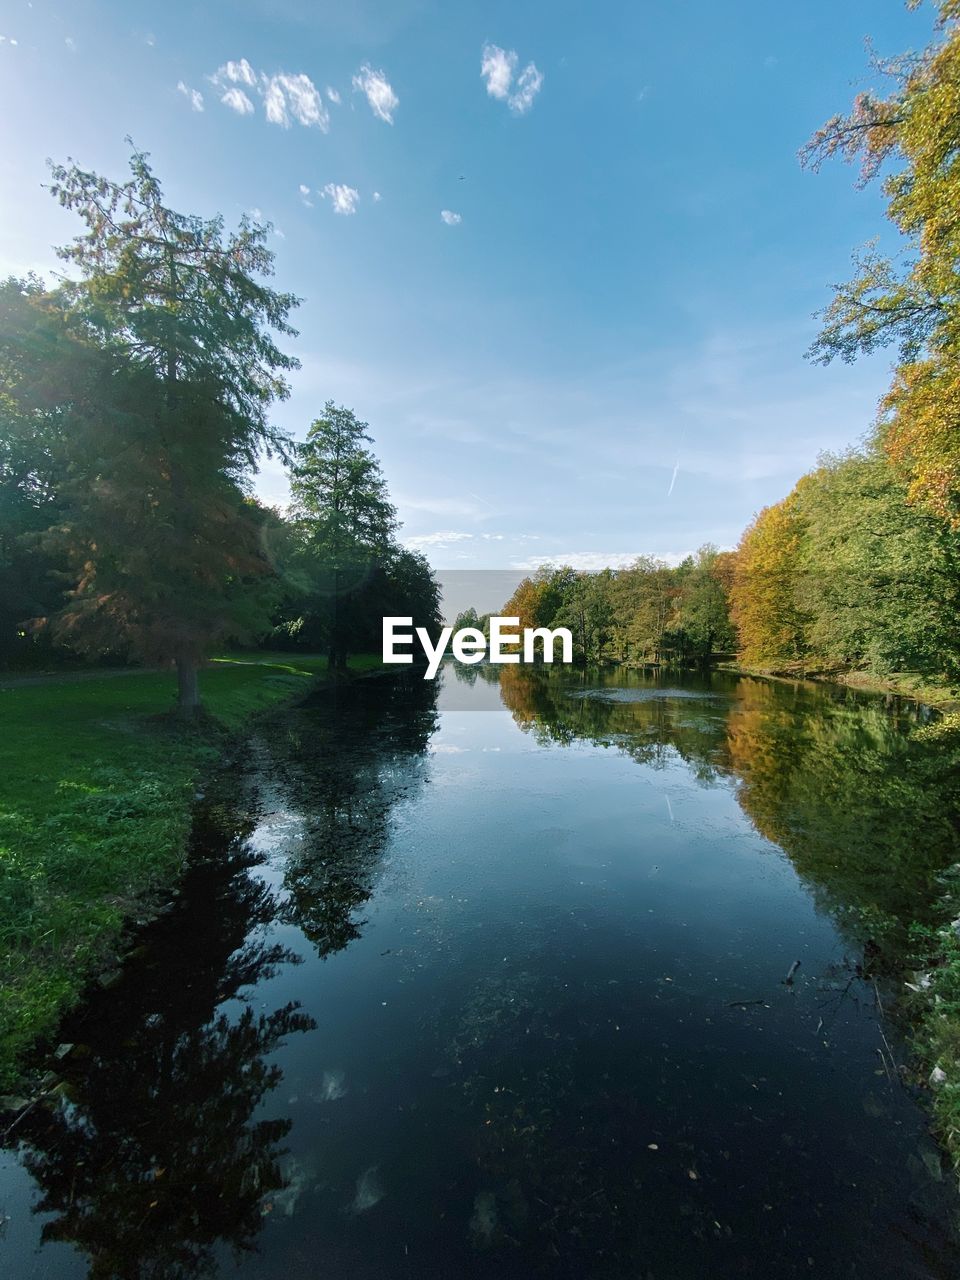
[[496, 976]]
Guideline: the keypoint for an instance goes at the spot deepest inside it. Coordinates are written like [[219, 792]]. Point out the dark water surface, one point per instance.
[[486, 979]]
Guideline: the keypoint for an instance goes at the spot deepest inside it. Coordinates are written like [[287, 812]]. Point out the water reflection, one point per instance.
[[153, 1156], [153, 1161], [867, 816], [543, 1027], [343, 771]]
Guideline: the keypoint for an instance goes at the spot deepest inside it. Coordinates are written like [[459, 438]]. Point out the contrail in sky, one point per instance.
[[676, 469]]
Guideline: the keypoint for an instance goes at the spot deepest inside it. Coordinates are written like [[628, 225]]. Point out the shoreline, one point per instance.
[[98, 787], [928, 996], [938, 697]]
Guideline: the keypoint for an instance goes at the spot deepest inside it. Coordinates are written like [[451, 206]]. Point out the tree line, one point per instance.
[[648, 612], [134, 404]]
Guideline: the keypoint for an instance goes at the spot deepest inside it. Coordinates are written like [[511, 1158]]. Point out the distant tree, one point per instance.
[[467, 618], [703, 604], [765, 603], [588, 612], [342, 558], [644, 597], [525, 603], [881, 581]]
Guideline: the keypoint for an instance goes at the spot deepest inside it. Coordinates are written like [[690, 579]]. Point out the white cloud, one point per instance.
[[343, 198], [70, 43], [450, 218], [237, 73], [377, 197], [7, 40], [305, 195], [333, 95], [593, 561], [497, 67], [285, 96], [383, 101], [275, 104], [237, 101], [442, 538], [293, 95], [527, 87], [193, 96], [449, 507]]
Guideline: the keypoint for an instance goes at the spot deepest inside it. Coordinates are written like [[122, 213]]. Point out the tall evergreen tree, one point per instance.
[[346, 524], [155, 524]]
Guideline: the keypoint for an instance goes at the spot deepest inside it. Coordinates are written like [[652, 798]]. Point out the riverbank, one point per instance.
[[97, 785], [932, 993], [904, 684]]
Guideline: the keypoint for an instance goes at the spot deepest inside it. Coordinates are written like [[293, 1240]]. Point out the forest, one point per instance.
[[134, 404]]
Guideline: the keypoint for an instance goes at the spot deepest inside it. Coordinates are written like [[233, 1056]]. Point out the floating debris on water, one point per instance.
[[483, 1223], [369, 1191], [334, 1086]]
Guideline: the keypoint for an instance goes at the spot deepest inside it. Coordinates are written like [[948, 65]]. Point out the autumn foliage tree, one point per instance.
[[909, 131], [166, 422], [764, 597]]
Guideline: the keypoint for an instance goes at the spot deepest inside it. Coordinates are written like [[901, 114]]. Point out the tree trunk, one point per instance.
[[188, 688]]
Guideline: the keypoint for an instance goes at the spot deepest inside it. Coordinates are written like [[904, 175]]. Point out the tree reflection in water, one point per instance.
[[153, 1157], [545, 1086], [344, 765], [866, 815]]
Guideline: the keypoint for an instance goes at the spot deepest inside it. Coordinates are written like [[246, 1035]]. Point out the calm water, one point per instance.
[[486, 979]]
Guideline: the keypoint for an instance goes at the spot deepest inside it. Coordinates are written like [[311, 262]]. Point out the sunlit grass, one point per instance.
[[96, 788]]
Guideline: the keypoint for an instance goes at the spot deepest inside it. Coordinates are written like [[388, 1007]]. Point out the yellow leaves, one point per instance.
[[762, 596], [524, 603], [920, 428]]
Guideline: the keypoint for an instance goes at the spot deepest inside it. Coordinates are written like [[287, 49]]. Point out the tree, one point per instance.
[[881, 576], [913, 131], [703, 605], [643, 595], [343, 560], [764, 599], [30, 438], [587, 611], [155, 524], [467, 618]]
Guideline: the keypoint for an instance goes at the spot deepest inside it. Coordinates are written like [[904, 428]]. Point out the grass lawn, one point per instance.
[[96, 789]]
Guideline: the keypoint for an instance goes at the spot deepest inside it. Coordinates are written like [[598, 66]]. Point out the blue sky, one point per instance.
[[598, 353]]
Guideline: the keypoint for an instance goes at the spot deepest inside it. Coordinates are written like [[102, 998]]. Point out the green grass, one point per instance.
[[96, 790]]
